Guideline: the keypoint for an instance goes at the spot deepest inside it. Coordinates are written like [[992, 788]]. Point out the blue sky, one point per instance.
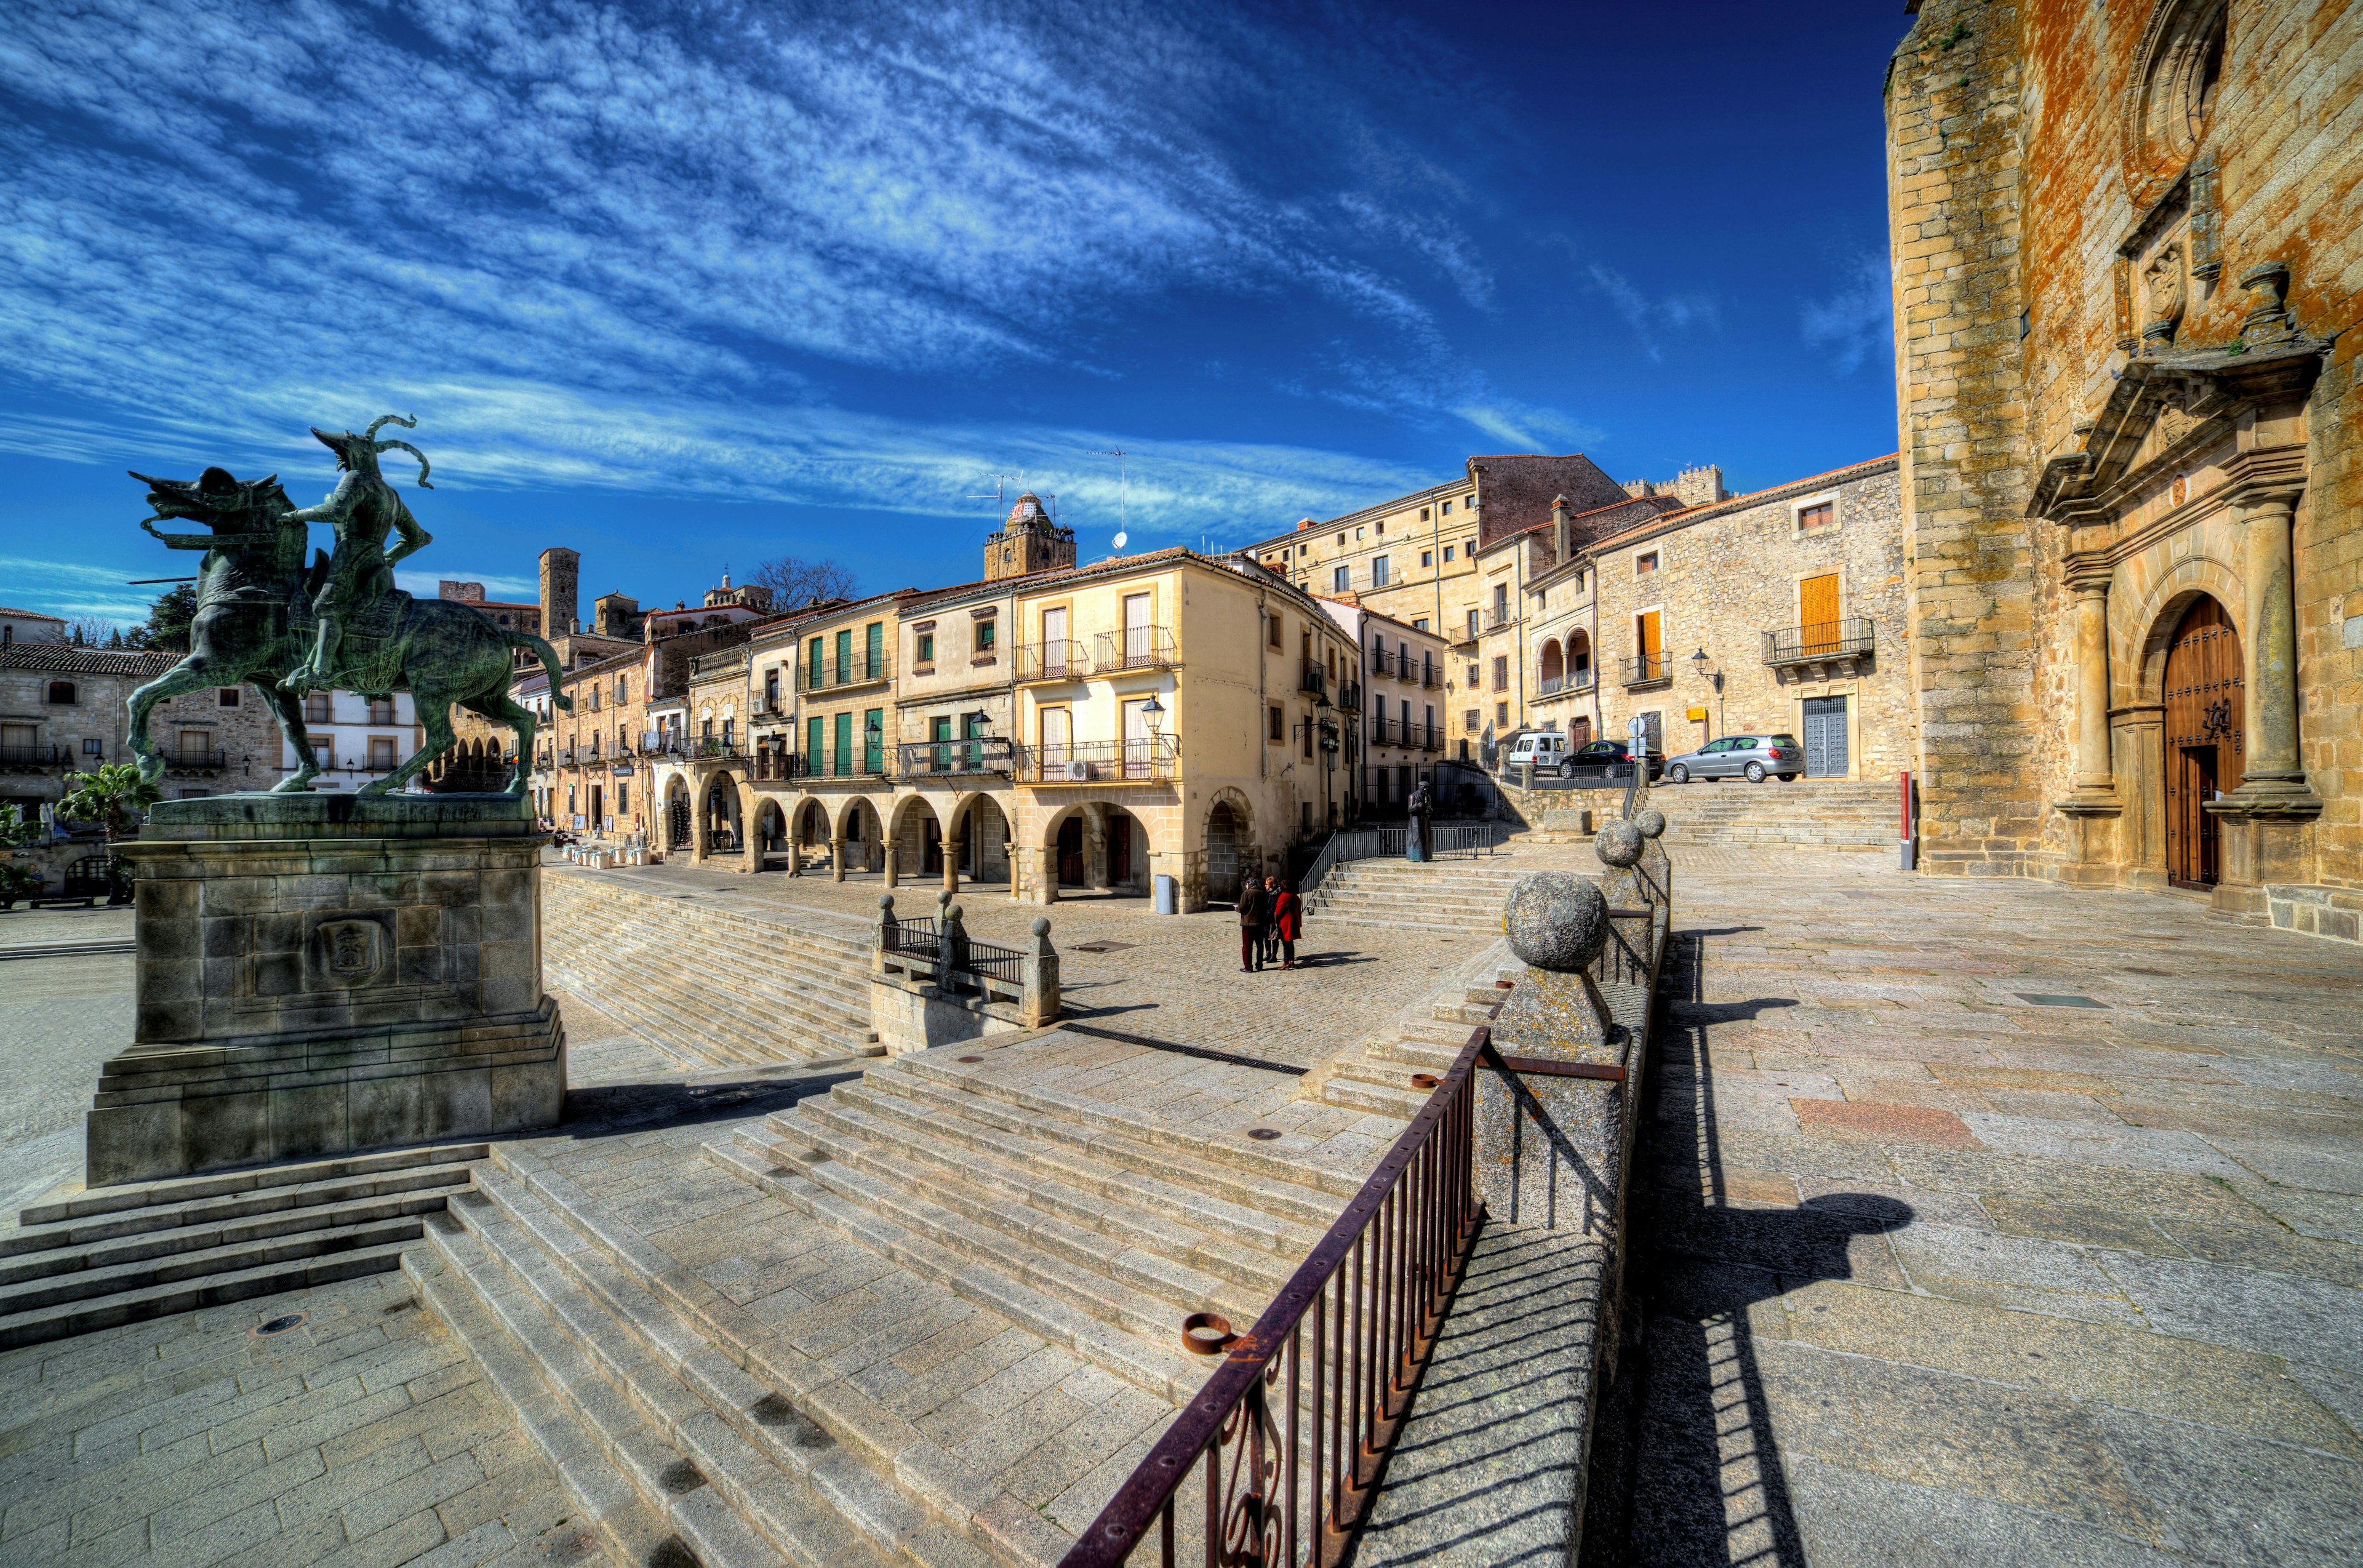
[[689, 286]]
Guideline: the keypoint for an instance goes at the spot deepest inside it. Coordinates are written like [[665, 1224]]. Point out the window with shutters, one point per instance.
[[1276, 723], [1819, 516], [1501, 672]]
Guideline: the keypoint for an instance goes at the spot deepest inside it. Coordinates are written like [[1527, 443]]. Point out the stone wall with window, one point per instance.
[[65, 709], [1795, 593]]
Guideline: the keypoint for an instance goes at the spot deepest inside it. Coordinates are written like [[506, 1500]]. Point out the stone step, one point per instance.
[[27, 1298], [828, 995], [214, 1288], [1137, 1250], [717, 1018], [651, 1500], [1061, 1319], [66, 1235], [908, 1498], [61, 1266], [167, 1192]]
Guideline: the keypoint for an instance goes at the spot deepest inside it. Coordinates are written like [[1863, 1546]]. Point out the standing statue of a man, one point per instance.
[[363, 509], [1419, 844]]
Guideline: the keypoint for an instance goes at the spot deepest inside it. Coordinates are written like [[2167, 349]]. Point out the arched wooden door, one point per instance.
[[2205, 712]]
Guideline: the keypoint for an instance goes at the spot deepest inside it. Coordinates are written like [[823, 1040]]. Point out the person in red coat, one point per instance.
[[1288, 922]]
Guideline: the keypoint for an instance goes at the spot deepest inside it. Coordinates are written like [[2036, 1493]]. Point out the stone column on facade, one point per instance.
[[894, 864], [2274, 780], [1044, 864], [2095, 783], [952, 847], [837, 857]]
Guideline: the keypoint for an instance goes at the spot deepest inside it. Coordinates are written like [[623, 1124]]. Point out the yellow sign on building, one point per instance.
[[1696, 716]]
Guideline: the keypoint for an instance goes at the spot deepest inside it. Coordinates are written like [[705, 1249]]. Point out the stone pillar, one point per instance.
[[2271, 645], [1044, 864], [1040, 1005], [837, 857], [2092, 772], [952, 847], [894, 864]]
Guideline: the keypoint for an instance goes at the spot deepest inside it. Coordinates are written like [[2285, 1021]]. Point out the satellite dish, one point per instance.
[[1119, 542]]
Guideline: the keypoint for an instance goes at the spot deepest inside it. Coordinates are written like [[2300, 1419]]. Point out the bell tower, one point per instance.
[[1029, 542]]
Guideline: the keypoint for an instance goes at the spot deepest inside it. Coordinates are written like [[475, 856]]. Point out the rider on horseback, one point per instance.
[[363, 509]]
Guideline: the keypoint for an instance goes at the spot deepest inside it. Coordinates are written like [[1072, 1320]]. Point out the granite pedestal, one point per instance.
[[321, 974]]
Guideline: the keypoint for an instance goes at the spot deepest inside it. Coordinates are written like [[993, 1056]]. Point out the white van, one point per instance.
[[1542, 749]]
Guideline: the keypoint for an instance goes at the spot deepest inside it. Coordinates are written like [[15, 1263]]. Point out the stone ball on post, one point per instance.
[[1618, 844], [1556, 920], [1651, 823]]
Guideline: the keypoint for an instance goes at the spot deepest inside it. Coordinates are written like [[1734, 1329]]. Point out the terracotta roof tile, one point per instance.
[[66, 659]]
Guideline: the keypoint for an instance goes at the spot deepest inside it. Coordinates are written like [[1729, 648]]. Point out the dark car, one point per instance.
[[1601, 759]]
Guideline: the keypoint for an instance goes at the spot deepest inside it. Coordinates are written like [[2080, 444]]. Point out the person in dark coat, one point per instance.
[[1255, 913], [1272, 925], [1287, 922]]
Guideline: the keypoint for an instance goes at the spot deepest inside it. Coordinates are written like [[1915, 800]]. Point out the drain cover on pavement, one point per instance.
[[2035, 999], [1102, 946], [277, 1325]]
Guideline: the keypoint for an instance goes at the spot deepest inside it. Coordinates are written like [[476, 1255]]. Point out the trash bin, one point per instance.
[[1169, 895]]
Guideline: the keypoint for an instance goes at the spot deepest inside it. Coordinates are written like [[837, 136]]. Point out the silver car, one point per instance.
[[1748, 757]]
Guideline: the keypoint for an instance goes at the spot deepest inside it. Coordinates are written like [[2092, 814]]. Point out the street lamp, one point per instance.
[[1154, 712]]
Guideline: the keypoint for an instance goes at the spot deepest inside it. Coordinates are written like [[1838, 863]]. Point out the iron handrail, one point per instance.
[[1840, 638], [1375, 1291]]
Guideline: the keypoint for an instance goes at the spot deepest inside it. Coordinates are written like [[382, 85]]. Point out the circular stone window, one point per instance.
[[2178, 73]]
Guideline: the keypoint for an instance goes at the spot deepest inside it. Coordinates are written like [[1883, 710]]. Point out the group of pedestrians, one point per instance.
[[1271, 919]]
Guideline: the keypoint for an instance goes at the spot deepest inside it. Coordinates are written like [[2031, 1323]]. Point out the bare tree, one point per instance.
[[796, 581], [92, 632]]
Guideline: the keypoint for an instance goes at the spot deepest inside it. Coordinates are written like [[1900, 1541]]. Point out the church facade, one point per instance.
[[2125, 252]]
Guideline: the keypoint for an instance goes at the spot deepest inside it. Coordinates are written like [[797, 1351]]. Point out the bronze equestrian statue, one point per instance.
[[263, 618]]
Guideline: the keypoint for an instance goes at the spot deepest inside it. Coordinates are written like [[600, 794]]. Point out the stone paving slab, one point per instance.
[[364, 1436], [1937, 1275]]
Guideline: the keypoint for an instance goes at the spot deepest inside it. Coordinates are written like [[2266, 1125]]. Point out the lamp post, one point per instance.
[[1713, 678]]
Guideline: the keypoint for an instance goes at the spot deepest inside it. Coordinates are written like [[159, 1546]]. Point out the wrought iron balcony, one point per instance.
[[1382, 662], [858, 668], [1064, 660], [1566, 685], [1647, 669], [1827, 642], [852, 762], [1350, 695], [937, 759], [1152, 761], [769, 764], [1135, 647], [1496, 618], [711, 748], [40, 757], [1431, 675], [195, 759], [1312, 677]]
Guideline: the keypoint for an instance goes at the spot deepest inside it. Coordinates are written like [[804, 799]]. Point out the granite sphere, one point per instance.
[[1618, 844], [1555, 919], [1651, 823]]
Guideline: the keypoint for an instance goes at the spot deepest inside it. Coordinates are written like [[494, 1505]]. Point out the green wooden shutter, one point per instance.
[[812, 747], [874, 651], [873, 758], [841, 761]]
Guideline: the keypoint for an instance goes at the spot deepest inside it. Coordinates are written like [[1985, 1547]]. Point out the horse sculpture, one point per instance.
[[259, 612]]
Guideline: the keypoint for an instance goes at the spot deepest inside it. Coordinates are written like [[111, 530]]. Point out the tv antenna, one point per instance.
[[1000, 496], [1122, 493]]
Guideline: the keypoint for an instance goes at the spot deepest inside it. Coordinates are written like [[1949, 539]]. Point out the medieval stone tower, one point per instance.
[[559, 568], [1030, 541]]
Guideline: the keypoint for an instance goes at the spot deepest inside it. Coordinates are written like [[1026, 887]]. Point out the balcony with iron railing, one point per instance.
[[195, 759], [1134, 648], [857, 668], [1155, 759], [951, 759], [1383, 662], [1312, 677], [850, 762], [1648, 670], [769, 764], [1826, 642], [1496, 618], [1566, 685], [1431, 675], [711, 748], [1350, 695], [41, 758], [1409, 735], [1063, 659], [767, 706]]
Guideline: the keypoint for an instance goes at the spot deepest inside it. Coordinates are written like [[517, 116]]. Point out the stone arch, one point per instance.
[[768, 834], [720, 826], [863, 828], [1579, 654], [1228, 843], [982, 828], [1551, 666], [917, 832], [2139, 651]]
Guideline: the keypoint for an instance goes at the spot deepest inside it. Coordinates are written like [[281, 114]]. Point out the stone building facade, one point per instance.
[[2126, 260], [65, 708]]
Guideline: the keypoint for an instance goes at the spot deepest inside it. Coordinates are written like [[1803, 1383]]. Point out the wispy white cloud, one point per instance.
[[1856, 323], [1650, 318], [72, 590], [1528, 428], [599, 246]]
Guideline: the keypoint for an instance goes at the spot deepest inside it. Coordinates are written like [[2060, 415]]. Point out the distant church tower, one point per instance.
[[1030, 541]]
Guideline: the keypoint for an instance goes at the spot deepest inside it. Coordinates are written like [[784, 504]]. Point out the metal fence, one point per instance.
[[1452, 841], [1289, 1435]]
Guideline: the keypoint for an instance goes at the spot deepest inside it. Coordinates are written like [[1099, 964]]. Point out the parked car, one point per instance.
[[1749, 757], [1600, 759], [1541, 749]]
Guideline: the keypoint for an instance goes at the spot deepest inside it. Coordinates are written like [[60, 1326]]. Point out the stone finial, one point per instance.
[[1556, 920], [2267, 285], [1041, 929], [1650, 824], [1618, 844]]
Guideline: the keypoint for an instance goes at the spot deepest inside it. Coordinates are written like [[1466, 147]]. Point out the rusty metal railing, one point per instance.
[[1289, 1435]]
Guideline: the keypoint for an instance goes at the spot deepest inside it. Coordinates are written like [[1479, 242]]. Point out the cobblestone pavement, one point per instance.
[[60, 1019], [1950, 1266], [1177, 979], [363, 1437]]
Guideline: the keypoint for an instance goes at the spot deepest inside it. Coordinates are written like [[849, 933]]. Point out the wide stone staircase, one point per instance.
[[1461, 897], [1828, 814], [91, 1260], [709, 987], [1075, 1233]]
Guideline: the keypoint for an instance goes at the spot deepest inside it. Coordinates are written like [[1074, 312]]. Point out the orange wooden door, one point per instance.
[[2205, 749], [1652, 654], [1817, 612]]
